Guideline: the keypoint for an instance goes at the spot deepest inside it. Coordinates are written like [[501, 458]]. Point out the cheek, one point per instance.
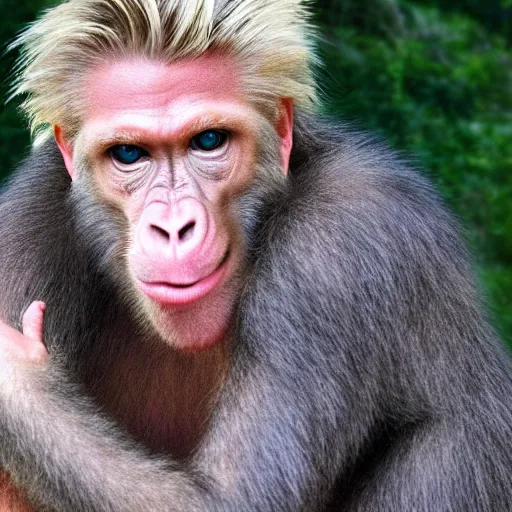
[[123, 189], [244, 167], [237, 172]]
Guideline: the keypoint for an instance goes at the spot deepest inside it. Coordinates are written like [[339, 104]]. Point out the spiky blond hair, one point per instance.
[[270, 39]]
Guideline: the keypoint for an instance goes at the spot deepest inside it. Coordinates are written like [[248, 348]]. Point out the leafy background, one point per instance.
[[433, 77]]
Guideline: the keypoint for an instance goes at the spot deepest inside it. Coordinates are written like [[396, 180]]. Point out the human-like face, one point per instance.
[[172, 147]]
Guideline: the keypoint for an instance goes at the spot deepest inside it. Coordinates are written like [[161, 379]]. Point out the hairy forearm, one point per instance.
[[67, 456]]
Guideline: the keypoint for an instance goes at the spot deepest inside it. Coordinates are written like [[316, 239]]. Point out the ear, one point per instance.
[[66, 149], [284, 129]]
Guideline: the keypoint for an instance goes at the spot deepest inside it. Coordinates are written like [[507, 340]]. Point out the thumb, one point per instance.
[[33, 321]]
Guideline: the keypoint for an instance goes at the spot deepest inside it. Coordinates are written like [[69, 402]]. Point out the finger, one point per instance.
[[33, 321]]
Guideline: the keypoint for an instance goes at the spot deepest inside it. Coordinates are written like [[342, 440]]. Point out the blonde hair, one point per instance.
[[270, 39]]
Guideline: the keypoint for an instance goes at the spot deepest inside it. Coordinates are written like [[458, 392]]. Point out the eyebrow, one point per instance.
[[121, 136], [136, 135]]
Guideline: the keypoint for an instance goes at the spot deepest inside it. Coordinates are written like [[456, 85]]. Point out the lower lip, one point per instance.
[[169, 295]]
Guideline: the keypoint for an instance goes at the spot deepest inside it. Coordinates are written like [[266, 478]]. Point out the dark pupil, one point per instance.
[[208, 140], [127, 154]]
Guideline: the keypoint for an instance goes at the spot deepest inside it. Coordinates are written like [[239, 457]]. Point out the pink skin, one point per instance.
[[27, 345], [185, 245]]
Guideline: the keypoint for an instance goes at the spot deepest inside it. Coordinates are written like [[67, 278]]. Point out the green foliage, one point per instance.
[[438, 85], [13, 133]]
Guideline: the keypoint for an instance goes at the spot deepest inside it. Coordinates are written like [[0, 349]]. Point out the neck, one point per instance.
[[163, 397]]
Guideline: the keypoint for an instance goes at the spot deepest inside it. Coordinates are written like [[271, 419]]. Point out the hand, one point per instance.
[[27, 346]]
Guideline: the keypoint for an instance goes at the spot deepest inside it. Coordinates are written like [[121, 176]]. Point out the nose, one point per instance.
[[175, 230], [167, 233]]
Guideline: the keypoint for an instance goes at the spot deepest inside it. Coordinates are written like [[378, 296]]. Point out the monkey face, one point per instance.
[[172, 147]]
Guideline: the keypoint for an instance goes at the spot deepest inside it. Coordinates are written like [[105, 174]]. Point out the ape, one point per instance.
[[232, 323]]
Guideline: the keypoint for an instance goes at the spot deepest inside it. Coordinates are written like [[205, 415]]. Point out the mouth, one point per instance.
[[173, 294]]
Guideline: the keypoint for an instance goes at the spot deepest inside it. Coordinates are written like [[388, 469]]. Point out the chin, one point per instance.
[[195, 327]]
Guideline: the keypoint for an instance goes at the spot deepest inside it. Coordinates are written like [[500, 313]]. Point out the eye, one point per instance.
[[208, 140], [127, 154]]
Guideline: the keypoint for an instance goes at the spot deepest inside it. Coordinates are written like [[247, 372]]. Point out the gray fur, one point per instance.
[[365, 376]]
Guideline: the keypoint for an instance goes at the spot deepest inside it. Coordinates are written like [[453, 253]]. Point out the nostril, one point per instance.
[[186, 231], [160, 232]]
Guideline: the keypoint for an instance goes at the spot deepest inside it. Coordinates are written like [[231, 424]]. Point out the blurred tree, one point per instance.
[[494, 14], [437, 82], [13, 133]]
